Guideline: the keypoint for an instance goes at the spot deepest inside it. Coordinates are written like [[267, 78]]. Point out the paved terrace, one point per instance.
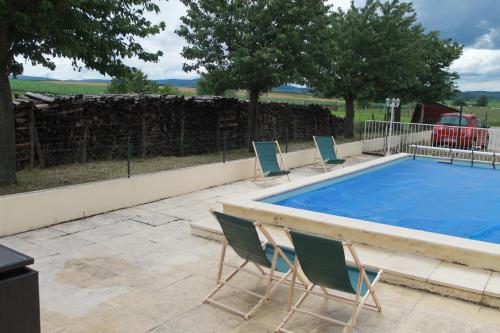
[[140, 270]]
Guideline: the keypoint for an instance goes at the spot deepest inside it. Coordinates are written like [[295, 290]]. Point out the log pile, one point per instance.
[[54, 130]]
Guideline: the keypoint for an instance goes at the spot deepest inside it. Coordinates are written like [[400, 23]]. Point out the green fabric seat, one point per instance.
[[266, 152], [281, 265], [243, 238], [323, 262], [326, 147]]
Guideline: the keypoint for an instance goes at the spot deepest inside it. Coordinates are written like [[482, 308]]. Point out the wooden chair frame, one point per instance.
[[270, 276], [257, 164], [318, 161], [358, 301]]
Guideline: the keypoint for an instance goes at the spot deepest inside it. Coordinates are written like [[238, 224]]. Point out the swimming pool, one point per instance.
[[423, 194], [422, 207]]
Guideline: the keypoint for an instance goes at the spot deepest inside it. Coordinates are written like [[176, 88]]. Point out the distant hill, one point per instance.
[[181, 83], [31, 78], [191, 83], [475, 94]]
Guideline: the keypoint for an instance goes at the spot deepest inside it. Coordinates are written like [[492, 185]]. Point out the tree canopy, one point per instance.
[[378, 50], [137, 82], [213, 83], [95, 34], [482, 101], [252, 45]]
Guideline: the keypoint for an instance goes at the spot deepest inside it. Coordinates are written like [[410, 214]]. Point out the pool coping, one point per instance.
[[451, 249]]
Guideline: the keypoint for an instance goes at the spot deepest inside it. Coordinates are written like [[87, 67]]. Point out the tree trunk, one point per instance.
[[397, 114], [349, 117], [253, 110], [7, 130]]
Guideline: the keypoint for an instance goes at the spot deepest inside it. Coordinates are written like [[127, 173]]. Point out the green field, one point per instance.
[[57, 87]]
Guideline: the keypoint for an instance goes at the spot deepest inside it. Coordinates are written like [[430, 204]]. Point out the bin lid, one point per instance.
[[10, 259]]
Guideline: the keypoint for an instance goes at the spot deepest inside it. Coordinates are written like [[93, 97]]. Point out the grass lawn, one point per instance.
[[78, 173]]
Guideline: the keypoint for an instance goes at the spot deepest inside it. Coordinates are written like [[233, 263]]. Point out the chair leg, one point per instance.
[[271, 274], [221, 284], [292, 309], [221, 260]]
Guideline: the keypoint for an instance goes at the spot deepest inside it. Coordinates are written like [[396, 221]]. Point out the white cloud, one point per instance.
[[489, 40], [479, 69], [478, 61], [479, 66]]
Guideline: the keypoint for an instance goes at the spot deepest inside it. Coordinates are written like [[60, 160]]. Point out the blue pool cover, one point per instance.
[[456, 200]]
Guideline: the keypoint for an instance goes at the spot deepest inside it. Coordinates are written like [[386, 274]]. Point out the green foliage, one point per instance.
[[254, 45], [482, 101], [137, 82], [250, 45], [212, 83], [96, 34], [459, 100], [380, 50]]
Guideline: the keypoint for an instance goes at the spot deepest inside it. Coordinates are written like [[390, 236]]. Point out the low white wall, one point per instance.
[[28, 211]]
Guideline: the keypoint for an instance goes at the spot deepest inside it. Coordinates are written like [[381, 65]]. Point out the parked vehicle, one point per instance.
[[430, 113], [466, 132]]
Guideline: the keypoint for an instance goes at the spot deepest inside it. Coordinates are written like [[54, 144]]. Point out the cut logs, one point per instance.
[[55, 130]]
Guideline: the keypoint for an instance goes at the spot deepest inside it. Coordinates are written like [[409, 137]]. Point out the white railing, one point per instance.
[[481, 144]]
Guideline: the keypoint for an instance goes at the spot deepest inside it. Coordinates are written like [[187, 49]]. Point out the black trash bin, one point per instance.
[[19, 297]]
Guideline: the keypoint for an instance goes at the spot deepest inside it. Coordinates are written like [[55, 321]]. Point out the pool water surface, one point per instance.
[[424, 194]]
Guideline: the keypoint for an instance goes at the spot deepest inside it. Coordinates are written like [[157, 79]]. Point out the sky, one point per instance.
[[473, 23]]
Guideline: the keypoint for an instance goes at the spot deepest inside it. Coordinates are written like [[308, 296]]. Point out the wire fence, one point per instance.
[[67, 161]]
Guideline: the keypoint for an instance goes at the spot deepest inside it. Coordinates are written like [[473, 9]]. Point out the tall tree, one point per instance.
[[377, 50], [482, 100], [137, 82], [213, 83], [96, 34], [256, 45], [431, 80]]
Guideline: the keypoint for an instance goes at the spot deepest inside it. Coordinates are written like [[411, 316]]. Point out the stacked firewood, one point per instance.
[[54, 130]]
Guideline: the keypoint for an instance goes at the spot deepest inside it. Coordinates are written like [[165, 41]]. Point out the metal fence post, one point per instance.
[[286, 140], [224, 146], [129, 156]]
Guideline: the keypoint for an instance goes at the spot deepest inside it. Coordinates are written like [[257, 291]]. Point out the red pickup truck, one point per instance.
[[465, 133]]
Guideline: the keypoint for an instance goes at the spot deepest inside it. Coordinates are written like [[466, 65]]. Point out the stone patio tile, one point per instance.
[[75, 226], [396, 296], [419, 322], [39, 235], [149, 217], [31, 249], [113, 321], [487, 319], [447, 308], [107, 218], [388, 320], [114, 230], [411, 265], [202, 319], [252, 327], [66, 244], [164, 234], [468, 279], [493, 285]]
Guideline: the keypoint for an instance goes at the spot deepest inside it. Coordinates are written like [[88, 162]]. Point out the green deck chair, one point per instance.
[[275, 263], [327, 149], [266, 157], [323, 262]]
